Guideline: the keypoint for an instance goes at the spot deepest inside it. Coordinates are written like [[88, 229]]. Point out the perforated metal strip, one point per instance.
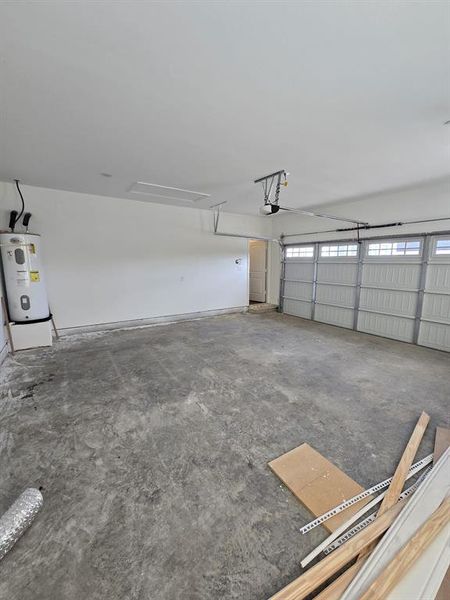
[[376, 488], [360, 526]]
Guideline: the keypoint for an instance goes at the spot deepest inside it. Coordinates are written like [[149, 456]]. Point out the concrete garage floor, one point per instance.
[[151, 448]]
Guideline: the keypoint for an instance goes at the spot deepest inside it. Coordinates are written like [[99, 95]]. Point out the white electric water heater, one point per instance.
[[24, 278]]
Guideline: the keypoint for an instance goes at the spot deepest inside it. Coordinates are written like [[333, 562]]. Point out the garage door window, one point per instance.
[[403, 248], [442, 247], [339, 250], [300, 252]]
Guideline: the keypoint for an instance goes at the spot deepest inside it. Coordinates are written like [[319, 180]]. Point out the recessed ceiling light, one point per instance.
[[106, 174]]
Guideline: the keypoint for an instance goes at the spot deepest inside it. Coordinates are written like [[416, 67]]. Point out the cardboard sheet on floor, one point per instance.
[[317, 483]]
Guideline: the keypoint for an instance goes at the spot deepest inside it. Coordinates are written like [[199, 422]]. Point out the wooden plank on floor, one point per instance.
[[326, 568], [401, 472], [430, 494], [408, 555], [318, 483], [337, 588], [398, 480], [441, 442], [422, 580]]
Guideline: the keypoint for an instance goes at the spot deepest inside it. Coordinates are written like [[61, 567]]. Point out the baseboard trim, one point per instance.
[[140, 323]]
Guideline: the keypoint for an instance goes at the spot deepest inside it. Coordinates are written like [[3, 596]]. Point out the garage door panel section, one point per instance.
[[381, 274], [390, 281], [297, 271], [436, 307], [393, 302], [336, 295], [337, 276], [298, 290], [334, 315], [298, 308], [435, 335], [435, 318], [394, 327], [438, 277], [298, 284], [337, 272]]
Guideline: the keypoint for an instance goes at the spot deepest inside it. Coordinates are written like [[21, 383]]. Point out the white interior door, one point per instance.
[[258, 258]]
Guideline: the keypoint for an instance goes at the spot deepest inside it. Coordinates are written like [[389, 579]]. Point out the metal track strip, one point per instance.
[[342, 530], [376, 488], [308, 281], [422, 286], [297, 299], [360, 526], [386, 314], [314, 283]]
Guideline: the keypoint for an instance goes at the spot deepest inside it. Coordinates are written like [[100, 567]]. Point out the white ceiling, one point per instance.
[[350, 97]]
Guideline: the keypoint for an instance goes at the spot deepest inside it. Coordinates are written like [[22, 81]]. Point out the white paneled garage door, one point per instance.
[[390, 283], [394, 287], [337, 278], [435, 315], [299, 275]]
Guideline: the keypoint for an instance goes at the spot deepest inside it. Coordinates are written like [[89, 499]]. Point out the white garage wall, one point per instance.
[[426, 201], [110, 260]]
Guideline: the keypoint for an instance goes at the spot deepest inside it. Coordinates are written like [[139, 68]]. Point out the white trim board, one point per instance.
[[165, 320], [421, 506], [422, 581]]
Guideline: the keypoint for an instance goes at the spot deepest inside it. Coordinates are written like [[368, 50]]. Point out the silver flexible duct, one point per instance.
[[18, 518]]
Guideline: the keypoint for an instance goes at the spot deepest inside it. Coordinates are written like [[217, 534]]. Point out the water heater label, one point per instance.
[[34, 276]]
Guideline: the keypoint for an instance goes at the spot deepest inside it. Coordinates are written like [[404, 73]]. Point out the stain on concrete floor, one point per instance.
[[151, 448]]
